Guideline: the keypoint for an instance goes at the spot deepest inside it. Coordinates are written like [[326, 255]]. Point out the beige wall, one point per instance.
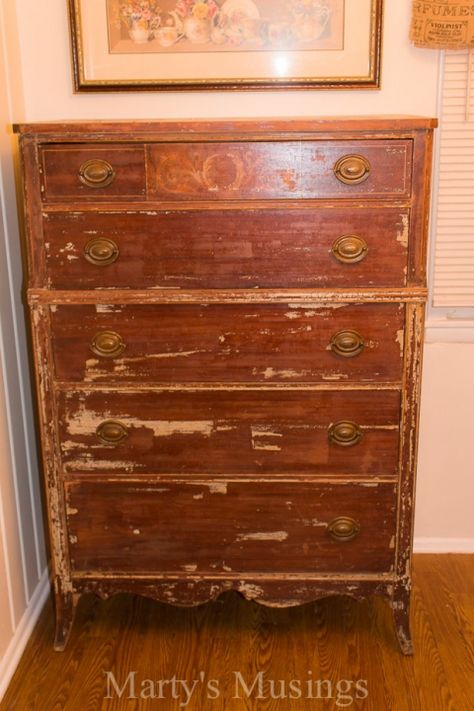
[[445, 494], [35, 84]]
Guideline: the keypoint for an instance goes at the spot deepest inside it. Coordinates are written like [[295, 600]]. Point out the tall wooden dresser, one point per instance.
[[227, 322]]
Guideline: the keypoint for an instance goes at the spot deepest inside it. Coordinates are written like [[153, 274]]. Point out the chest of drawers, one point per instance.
[[227, 326]]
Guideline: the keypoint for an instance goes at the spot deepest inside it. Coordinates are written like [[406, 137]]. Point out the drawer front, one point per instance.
[[237, 527], [279, 170], [228, 343], [197, 432], [327, 247], [93, 172]]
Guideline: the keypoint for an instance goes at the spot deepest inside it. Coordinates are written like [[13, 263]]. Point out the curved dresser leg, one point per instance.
[[65, 610], [400, 604]]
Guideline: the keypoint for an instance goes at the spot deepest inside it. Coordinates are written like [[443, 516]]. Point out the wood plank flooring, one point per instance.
[[341, 653]]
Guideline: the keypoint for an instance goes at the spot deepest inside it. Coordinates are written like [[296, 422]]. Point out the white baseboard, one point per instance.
[[443, 545], [15, 649]]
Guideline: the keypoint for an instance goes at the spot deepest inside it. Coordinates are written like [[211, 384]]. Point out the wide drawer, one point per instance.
[[328, 247], [228, 170], [92, 172], [279, 170], [237, 527], [230, 431], [228, 342]]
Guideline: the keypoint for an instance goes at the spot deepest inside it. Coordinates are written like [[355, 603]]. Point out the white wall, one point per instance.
[[35, 76], [409, 80]]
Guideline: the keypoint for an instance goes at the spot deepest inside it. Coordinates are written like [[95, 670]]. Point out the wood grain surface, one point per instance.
[[335, 639], [124, 527], [246, 432], [229, 343], [271, 247]]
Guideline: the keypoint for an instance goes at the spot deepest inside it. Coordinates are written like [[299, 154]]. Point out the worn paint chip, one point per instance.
[[263, 536]]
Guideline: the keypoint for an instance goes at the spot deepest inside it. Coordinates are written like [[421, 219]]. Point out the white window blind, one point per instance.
[[454, 219]]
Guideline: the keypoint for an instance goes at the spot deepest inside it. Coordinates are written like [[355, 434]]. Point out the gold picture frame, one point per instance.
[[132, 45]]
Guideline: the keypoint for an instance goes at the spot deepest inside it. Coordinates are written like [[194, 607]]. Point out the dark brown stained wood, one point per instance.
[[237, 432], [295, 170], [60, 166], [219, 249], [136, 528], [213, 343], [205, 356], [333, 640]]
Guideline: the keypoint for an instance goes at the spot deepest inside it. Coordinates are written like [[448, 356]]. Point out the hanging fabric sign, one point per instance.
[[442, 24]]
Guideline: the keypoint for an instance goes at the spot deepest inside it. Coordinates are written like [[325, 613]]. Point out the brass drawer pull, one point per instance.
[[350, 249], [96, 173], [352, 169], [343, 528], [107, 344], [347, 344], [111, 432], [345, 433], [101, 252]]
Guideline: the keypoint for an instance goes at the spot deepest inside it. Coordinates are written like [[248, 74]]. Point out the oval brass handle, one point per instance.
[[343, 528], [345, 433], [96, 173], [107, 344], [111, 432], [352, 169], [101, 252], [350, 249], [347, 344]]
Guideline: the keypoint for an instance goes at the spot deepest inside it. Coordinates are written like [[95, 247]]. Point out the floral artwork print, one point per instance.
[[220, 25]]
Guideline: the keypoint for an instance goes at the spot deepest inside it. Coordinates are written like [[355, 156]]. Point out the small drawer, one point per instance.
[[230, 527], [195, 249], [92, 172], [254, 343], [280, 170], [196, 432]]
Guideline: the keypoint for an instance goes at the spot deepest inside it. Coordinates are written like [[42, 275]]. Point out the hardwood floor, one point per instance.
[[348, 647]]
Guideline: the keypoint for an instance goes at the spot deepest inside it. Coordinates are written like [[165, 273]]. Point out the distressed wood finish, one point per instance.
[[273, 431], [216, 343], [220, 443], [277, 170], [221, 249], [60, 169], [135, 528]]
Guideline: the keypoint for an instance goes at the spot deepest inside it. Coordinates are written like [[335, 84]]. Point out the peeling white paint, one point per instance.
[[191, 568], [69, 247], [101, 465], [250, 590], [284, 374], [198, 496], [263, 536], [334, 376], [218, 488], [402, 234], [108, 308], [85, 422], [314, 522], [260, 431], [400, 339]]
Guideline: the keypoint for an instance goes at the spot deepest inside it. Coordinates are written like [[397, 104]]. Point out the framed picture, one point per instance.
[[225, 44]]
